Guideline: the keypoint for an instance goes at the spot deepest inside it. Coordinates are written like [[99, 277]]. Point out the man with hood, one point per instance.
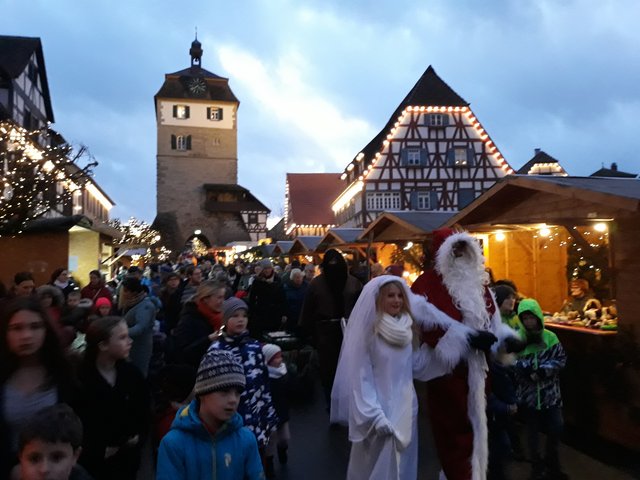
[[331, 296], [538, 379], [457, 284]]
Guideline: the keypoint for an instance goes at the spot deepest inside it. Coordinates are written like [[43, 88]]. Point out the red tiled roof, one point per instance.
[[310, 197]]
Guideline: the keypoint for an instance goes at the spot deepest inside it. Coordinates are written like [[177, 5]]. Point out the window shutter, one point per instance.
[[188, 142], [424, 155], [451, 157], [186, 111], [471, 157], [208, 113], [220, 110], [175, 111], [433, 200], [414, 200], [173, 141], [403, 157], [465, 197], [445, 119]]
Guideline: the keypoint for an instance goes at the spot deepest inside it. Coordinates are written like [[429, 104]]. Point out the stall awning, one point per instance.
[[305, 245], [337, 237], [405, 225]]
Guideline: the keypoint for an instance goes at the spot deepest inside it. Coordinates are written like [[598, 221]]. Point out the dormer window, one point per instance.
[[214, 113], [181, 111]]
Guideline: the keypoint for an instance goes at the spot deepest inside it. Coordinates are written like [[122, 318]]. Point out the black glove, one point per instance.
[[482, 340], [514, 345]]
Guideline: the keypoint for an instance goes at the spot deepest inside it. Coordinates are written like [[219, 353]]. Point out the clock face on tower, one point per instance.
[[197, 86]]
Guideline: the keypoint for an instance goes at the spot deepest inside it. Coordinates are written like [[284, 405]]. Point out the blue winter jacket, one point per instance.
[[187, 451]]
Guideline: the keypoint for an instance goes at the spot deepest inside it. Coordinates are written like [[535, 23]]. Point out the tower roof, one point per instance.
[[178, 84], [541, 164], [429, 90]]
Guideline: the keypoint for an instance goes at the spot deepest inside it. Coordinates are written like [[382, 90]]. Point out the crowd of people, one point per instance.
[[179, 357]]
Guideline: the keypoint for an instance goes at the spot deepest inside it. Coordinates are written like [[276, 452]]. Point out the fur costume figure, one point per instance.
[[458, 286]]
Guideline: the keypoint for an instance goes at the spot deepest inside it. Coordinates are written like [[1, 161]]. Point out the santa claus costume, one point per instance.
[[457, 285]]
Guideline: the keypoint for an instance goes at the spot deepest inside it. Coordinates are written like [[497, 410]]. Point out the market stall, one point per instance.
[[572, 243]]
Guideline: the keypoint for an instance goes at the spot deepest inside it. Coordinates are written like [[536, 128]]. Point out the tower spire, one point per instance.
[[196, 52]]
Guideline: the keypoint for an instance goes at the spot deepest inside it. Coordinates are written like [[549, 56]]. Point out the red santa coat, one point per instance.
[[457, 401]]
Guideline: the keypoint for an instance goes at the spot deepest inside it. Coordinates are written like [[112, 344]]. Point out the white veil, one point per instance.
[[357, 335]]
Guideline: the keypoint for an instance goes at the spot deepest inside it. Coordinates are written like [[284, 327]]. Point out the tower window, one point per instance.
[[181, 142], [181, 111], [214, 113]]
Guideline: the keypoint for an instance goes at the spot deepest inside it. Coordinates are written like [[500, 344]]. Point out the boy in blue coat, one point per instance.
[[210, 426]]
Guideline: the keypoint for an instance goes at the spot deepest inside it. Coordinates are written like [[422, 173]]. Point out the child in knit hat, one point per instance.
[[280, 383], [210, 425], [255, 406]]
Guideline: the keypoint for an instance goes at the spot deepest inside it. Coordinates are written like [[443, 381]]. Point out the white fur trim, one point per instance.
[[476, 407], [453, 346]]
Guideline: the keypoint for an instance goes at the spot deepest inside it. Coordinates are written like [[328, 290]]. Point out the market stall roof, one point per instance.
[[404, 225], [339, 237], [305, 244], [525, 199], [66, 223], [282, 247], [267, 250]]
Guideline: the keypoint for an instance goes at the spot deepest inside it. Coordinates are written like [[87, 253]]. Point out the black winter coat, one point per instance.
[[110, 416], [281, 389], [192, 335], [267, 306]]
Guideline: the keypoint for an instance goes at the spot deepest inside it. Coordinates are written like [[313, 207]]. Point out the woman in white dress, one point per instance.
[[373, 391]]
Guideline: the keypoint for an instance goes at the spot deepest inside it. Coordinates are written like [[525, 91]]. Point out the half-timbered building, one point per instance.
[[432, 155]]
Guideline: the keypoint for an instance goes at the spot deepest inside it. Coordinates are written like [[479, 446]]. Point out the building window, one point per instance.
[[460, 157], [383, 201], [214, 113], [423, 201], [437, 120], [252, 218], [180, 142], [181, 111], [413, 157]]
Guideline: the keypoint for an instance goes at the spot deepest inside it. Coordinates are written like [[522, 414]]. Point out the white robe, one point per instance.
[[384, 388]]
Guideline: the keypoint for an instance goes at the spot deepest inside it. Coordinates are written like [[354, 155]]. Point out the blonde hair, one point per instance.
[[208, 288], [406, 308]]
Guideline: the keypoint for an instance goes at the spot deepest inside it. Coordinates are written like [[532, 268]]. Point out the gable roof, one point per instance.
[[15, 53], [612, 172], [305, 243], [244, 199], [310, 197], [540, 157], [429, 90]]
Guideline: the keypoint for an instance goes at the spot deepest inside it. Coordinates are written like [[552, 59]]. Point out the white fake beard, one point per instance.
[[465, 279]]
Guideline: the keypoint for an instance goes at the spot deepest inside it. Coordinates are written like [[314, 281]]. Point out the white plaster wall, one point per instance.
[[197, 114]]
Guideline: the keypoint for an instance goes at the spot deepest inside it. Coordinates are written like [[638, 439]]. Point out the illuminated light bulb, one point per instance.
[[343, 176], [544, 232], [429, 109], [350, 167], [500, 236], [457, 109], [600, 227], [385, 143], [409, 109], [422, 108], [449, 109], [197, 232]]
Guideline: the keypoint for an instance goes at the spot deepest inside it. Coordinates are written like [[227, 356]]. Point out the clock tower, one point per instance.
[[197, 160]]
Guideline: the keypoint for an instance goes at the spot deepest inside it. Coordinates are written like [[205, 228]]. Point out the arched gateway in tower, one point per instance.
[[197, 161]]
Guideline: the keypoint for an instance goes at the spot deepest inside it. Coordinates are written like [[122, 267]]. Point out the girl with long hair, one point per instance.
[[34, 372], [115, 402], [373, 391], [140, 315]]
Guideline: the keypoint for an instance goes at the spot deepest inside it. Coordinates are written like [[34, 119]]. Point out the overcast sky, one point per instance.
[[317, 80]]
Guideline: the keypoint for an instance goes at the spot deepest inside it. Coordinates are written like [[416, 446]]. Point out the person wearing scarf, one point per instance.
[[373, 392], [140, 314], [96, 289], [61, 279], [200, 319]]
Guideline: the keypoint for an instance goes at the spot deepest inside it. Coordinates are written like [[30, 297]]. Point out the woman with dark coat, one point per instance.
[[267, 302], [115, 403], [61, 279], [96, 288], [199, 321], [331, 296]]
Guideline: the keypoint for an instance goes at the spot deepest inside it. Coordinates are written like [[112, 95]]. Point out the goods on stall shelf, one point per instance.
[[604, 318]]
